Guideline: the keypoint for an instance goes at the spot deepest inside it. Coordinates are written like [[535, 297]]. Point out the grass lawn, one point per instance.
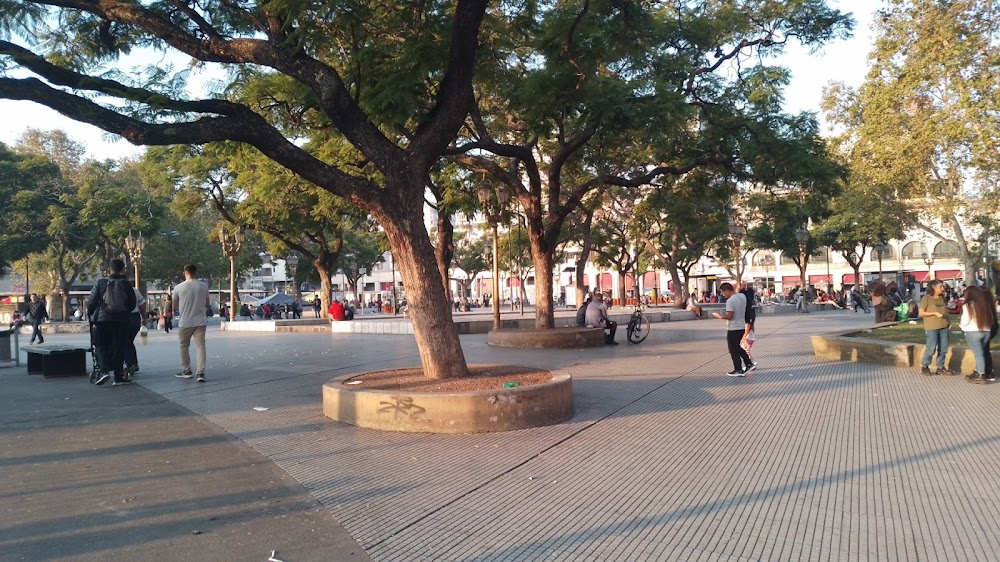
[[913, 333]]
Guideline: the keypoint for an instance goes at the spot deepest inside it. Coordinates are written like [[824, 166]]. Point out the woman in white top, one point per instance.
[[978, 319]]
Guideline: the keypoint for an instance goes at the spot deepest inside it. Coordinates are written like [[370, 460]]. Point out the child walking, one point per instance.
[[748, 338]]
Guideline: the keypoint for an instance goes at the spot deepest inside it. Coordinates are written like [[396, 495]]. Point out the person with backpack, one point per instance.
[[735, 317], [191, 299], [110, 309]]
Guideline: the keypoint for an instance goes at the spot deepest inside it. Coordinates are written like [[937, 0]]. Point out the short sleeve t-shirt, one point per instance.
[[738, 305], [934, 304], [139, 300], [190, 300]]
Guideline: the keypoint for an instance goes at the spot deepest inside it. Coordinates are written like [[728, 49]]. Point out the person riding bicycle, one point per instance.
[[597, 317]]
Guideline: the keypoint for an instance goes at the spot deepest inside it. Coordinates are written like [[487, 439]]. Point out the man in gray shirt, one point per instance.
[[597, 316], [190, 301], [735, 317]]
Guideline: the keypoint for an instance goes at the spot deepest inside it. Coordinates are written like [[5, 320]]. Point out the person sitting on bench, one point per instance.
[[597, 317]]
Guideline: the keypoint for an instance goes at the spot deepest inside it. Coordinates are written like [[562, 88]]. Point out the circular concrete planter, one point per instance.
[[555, 338], [482, 411]]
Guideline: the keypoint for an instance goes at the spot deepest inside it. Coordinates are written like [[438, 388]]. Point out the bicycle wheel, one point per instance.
[[638, 330]]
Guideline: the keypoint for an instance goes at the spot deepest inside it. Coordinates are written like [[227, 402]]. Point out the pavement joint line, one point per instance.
[[537, 455]]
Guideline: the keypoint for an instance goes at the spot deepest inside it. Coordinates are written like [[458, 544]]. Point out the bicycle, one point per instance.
[[638, 325]]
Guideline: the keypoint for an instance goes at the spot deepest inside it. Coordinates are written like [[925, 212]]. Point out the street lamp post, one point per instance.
[[802, 235], [134, 246], [929, 260], [767, 261], [292, 261], [494, 203], [854, 258], [879, 248], [232, 243], [736, 231]]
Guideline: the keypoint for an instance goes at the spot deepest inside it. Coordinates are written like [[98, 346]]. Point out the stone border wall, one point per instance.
[[845, 346]]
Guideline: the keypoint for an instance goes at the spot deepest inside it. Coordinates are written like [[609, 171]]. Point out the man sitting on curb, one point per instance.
[[597, 317]]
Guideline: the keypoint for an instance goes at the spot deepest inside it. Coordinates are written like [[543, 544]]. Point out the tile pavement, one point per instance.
[[666, 458]]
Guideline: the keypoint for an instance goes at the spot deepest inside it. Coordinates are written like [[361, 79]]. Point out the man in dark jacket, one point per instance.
[[110, 326], [38, 314]]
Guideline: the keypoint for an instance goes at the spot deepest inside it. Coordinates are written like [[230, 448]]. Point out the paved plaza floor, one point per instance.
[[667, 458]]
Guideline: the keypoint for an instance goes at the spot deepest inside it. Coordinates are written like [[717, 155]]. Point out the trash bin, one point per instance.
[[5, 345]]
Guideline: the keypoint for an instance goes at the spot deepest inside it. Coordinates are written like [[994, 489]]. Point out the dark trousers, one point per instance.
[[611, 327], [738, 354], [135, 322], [111, 340], [36, 331]]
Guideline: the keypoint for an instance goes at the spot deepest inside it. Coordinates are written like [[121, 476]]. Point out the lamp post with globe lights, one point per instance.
[[802, 235], [929, 261], [879, 248], [736, 231], [494, 202], [232, 243], [134, 246]]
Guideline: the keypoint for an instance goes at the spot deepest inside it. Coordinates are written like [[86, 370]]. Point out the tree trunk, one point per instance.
[[64, 291], [680, 290], [444, 252], [621, 287], [428, 308], [543, 260], [326, 287], [580, 273]]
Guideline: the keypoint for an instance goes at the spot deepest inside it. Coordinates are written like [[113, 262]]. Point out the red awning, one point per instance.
[[649, 279], [813, 279], [791, 279], [848, 279], [629, 281], [948, 274], [919, 276]]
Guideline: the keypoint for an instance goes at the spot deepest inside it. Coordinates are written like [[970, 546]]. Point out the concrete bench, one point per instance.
[[56, 360]]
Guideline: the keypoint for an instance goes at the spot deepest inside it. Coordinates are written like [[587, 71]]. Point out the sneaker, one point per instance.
[[611, 342], [201, 377], [925, 370], [121, 382], [976, 378], [943, 371], [990, 377], [103, 378], [737, 373], [183, 375], [750, 368]]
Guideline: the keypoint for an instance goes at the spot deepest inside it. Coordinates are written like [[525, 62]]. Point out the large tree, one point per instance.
[[388, 87], [923, 124], [596, 93]]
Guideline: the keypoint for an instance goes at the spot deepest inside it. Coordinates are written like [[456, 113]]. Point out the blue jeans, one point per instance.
[[979, 343], [936, 339]]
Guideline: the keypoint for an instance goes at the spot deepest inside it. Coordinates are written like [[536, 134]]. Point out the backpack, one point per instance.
[[750, 314], [115, 300]]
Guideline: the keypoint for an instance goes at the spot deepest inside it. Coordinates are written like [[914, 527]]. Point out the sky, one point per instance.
[[841, 61]]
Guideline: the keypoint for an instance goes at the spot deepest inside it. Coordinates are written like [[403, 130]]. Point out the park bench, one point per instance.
[[56, 360]]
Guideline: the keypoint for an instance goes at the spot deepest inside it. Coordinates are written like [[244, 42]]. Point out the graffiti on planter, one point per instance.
[[401, 405]]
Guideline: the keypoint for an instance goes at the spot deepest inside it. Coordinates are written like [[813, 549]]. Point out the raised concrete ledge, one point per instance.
[[480, 411], [853, 346], [301, 325], [556, 338]]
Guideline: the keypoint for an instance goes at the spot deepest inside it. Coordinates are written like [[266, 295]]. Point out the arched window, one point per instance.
[[888, 253], [786, 259], [914, 250], [820, 254], [761, 259], [947, 249]]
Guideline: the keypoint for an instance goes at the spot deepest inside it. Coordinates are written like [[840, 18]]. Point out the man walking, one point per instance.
[[735, 317], [110, 309], [190, 301], [36, 308]]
